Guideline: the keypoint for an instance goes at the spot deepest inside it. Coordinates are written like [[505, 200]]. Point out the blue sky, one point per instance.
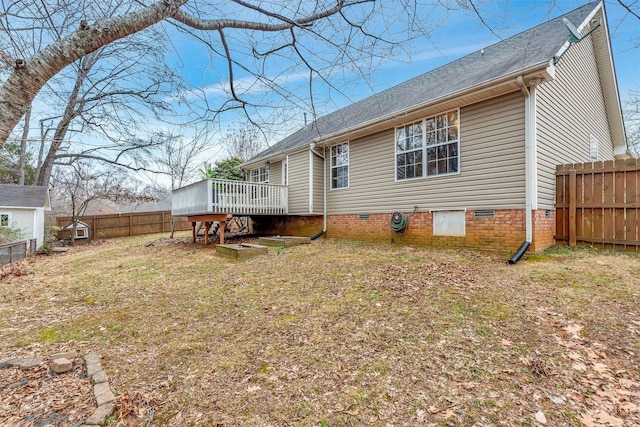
[[453, 34]]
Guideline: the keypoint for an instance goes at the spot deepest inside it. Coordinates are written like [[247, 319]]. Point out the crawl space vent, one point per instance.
[[484, 214]]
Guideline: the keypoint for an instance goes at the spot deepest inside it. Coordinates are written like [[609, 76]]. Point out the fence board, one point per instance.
[[606, 199], [129, 224]]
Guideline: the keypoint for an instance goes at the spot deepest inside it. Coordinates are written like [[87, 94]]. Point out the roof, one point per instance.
[[24, 196], [534, 47]]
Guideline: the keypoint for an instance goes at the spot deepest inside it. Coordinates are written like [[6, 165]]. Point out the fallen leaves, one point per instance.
[[40, 396], [352, 334]]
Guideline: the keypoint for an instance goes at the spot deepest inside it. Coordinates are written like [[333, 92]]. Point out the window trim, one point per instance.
[[423, 123], [262, 171], [332, 167], [285, 171], [594, 154], [9, 219]]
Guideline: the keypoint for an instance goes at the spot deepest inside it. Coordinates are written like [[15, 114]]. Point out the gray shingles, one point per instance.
[[534, 46], [23, 196]]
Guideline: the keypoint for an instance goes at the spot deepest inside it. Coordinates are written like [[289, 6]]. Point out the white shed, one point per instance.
[[23, 207], [82, 230]]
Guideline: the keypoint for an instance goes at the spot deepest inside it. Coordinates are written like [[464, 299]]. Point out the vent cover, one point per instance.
[[547, 213], [484, 214], [363, 216]]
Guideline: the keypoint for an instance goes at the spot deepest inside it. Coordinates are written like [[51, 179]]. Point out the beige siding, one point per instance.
[[299, 183], [491, 167], [569, 110], [317, 185], [275, 173]]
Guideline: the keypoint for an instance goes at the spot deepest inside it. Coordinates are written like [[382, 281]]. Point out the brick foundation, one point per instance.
[[504, 232], [544, 229]]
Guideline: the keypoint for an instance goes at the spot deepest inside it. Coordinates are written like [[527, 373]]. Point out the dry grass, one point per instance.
[[340, 333]]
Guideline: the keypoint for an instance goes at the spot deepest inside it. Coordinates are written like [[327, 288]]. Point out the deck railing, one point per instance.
[[217, 196]]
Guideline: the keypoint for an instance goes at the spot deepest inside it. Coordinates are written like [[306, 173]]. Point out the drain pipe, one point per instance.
[[530, 163], [312, 147]]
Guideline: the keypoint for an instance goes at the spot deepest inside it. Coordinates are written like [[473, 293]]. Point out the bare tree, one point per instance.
[[174, 155], [76, 187], [295, 27], [112, 86], [632, 121], [243, 142]]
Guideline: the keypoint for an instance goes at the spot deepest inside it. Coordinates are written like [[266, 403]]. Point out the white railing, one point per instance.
[[213, 196]]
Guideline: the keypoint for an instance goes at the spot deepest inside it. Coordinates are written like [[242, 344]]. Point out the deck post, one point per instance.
[[193, 232], [221, 230]]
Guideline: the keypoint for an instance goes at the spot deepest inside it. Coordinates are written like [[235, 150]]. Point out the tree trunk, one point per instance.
[[29, 76], [23, 146], [70, 112]]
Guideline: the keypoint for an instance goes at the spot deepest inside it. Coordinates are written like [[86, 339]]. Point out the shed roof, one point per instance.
[[24, 196], [534, 47]]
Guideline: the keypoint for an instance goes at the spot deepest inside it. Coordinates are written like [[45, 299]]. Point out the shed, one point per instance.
[[82, 231], [22, 207]]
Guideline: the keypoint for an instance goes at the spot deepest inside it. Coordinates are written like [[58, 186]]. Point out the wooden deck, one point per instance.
[[218, 196], [217, 200]]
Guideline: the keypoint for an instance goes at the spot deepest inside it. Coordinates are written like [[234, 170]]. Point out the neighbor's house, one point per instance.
[[22, 207], [467, 152]]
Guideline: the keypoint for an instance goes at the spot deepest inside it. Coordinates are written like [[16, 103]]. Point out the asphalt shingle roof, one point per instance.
[[529, 48], [23, 196]]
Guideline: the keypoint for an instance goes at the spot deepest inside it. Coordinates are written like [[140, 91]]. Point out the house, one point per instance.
[[22, 207], [462, 156]]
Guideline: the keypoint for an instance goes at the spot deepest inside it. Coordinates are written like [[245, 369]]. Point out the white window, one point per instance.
[[340, 166], [261, 174], [428, 148], [5, 219], [410, 151], [593, 148]]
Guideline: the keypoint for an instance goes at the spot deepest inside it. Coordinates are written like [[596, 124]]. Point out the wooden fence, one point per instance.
[[129, 224], [599, 204]]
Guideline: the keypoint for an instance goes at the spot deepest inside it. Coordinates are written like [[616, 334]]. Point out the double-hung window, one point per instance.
[[340, 166], [429, 147], [261, 174]]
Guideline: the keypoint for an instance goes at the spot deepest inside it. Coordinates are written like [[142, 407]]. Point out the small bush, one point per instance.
[[10, 234]]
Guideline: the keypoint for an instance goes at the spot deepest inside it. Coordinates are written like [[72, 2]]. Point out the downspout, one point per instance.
[[324, 190], [530, 164]]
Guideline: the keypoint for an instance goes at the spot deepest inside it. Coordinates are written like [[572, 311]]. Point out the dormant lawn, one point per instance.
[[338, 333]]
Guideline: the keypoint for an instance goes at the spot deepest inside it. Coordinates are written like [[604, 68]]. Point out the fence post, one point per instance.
[[572, 207]]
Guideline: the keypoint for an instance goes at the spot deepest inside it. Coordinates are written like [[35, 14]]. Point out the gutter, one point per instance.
[[312, 148], [530, 161]]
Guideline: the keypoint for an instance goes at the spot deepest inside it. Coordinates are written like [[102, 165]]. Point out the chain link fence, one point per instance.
[[15, 251]]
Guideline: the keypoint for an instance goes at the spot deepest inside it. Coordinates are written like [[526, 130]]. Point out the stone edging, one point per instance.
[[63, 362], [101, 390]]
